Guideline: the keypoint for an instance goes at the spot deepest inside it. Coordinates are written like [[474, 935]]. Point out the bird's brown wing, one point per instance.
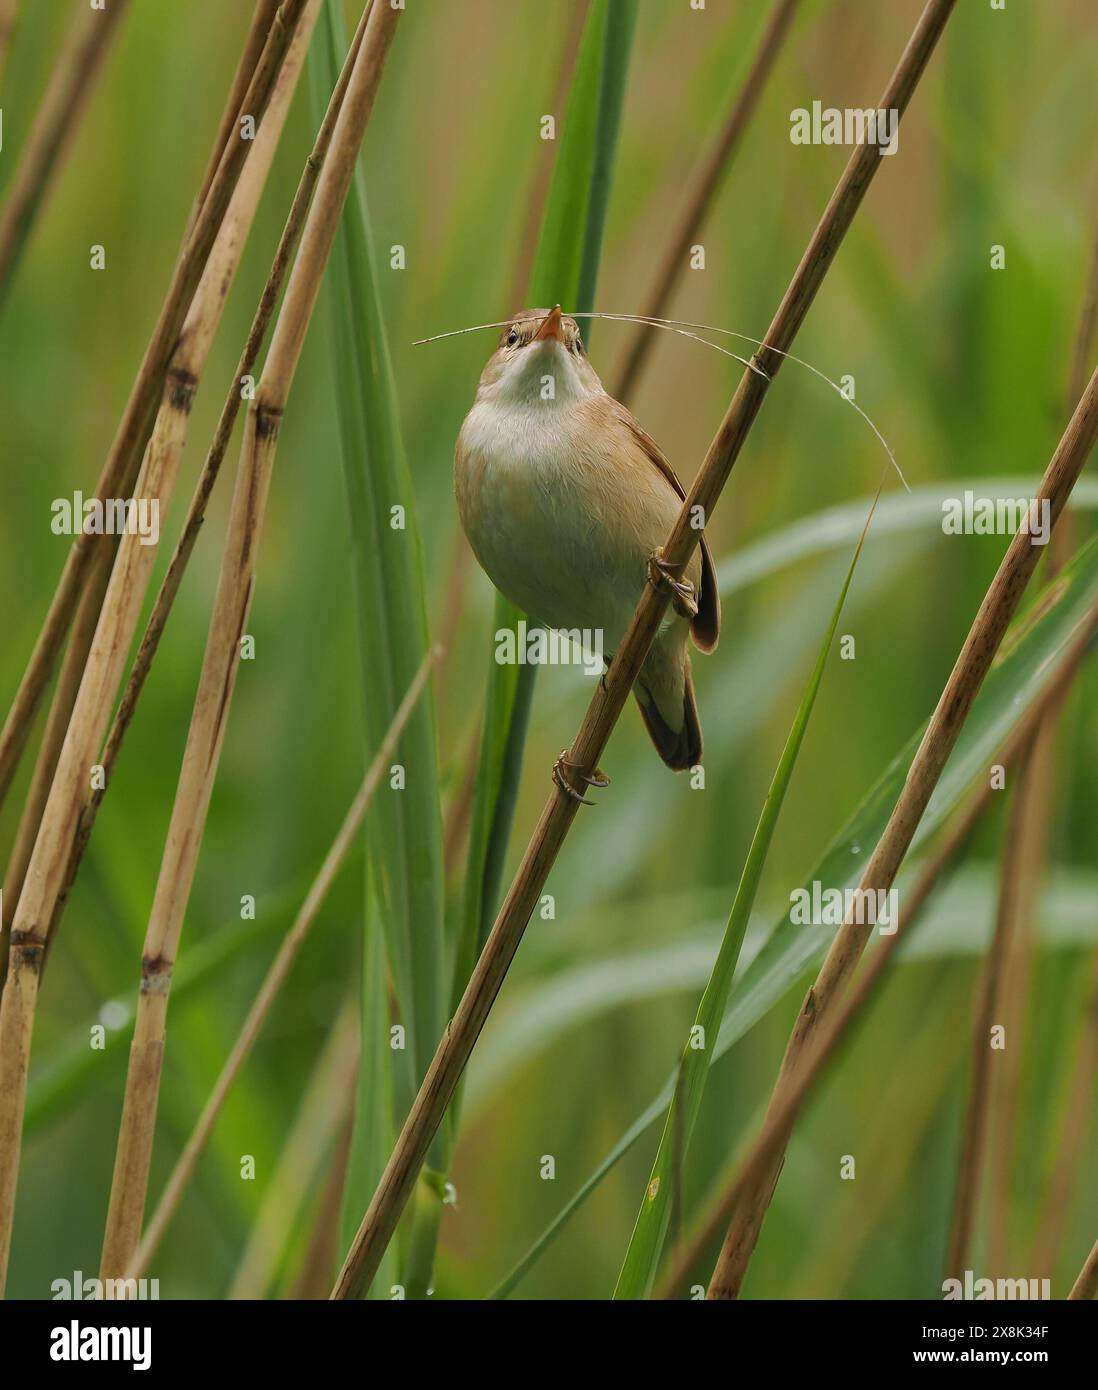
[[706, 627]]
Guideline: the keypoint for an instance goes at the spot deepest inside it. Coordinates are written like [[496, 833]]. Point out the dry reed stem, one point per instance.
[[704, 189], [827, 1041], [221, 659], [981, 644], [276, 976], [326, 1106], [1086, 1285], [118, 618], [1032, 846], [70, 85], [122, 465], [429, 1107], [169, 588], [1011, 909]]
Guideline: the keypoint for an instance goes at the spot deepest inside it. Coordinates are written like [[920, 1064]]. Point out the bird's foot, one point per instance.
[[661, 576], [596, 779]]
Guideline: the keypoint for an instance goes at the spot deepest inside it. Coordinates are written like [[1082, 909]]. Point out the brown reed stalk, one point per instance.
[[219, 666], [321, 1117], [70, 85], [276, 977], [824, 1045], [981, 644], [1012, 909], [706, 185], [1032, 806], [123, 462], [429, 1107], [122, 606], [196, 515], [1086, 1285]]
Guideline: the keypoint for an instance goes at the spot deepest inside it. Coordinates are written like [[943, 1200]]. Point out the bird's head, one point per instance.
[[539, 358]]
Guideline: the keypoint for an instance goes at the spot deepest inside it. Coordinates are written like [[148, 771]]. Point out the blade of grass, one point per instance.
[[222, 655], [897, 514], [559, 1001], [405, 834], [406, 893], [1010, 704], [70, 86], [380, 1220], [642, 1256]]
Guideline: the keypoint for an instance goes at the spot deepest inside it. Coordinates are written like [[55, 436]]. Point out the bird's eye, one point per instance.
[[512, 337]]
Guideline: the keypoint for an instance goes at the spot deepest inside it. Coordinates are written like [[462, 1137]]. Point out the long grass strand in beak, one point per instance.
[[683, 327]]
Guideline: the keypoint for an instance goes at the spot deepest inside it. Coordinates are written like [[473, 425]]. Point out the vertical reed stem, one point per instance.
[[70, 85], [219, 667]]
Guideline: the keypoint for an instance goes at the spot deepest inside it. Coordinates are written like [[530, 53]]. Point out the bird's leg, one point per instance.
[[661, 576], [596, 779]]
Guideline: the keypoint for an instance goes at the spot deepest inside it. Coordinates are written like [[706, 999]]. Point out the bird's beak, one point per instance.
[[551, 327]]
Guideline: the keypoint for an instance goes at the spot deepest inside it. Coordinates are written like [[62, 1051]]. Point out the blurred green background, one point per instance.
[[962, 368]]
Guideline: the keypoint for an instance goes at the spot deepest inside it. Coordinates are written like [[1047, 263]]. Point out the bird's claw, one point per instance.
[[660, 576], [596, 779]]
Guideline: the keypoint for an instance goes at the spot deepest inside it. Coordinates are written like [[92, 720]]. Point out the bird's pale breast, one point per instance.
[[562, 514]]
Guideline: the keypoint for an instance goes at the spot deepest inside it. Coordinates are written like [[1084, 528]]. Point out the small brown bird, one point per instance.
[[566, 502]]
